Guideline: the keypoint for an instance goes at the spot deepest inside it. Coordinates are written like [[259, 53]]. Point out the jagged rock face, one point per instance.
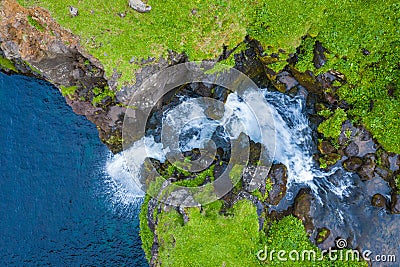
[[54, 54]]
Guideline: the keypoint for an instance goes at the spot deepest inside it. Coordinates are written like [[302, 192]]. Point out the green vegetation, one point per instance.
[[198, 28], [146, 235], [361, 39], [288, 234], [7, 64], [331, 128], [199, 178], [210, 239], [36, 24], [231, 239], [102, 93], [397, 181], [68, 91]]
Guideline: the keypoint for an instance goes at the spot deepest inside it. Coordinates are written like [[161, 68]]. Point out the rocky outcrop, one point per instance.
[[278, 177], [39, 46]]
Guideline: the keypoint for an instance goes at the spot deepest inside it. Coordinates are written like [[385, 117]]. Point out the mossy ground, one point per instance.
[[198, 28], [361, 39], [232, 239], [7, 64]]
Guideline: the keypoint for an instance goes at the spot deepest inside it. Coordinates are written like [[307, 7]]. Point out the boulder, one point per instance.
[[352, 164], [351, 150], [378, 201], [366, 171], [302, 209], [325, 147], [395, 204], [278, 177]]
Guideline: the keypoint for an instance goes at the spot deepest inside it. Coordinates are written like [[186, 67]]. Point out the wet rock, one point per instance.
[[302, 209], [139, 6], [366, 171], [351, 150], [319, 58], [325, 147], [394, 162], [278, 177], [395, 204], [352, 164], [184, 214], [287, 79], [381, 172], [378, 201]]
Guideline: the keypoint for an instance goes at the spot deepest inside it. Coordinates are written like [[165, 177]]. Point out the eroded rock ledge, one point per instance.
[[38, 46]]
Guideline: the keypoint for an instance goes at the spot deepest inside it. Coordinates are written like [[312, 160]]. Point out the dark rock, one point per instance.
[[319, 56], [365, 52], [302, 209], [394, 162], [366, 171], [287, 79], [384, 174], [325, 147], [278, 177], [378, 201], [395, 204], [351, 150], [352, 164]]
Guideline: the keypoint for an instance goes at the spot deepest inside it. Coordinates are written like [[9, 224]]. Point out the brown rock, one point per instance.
[[325, 147], [302, 209], [395, 204], [278, 177], [378, 201], [351, 150], [352, 164], [366, 171]]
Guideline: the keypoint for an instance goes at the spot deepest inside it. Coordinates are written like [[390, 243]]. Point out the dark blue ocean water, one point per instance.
[[54, 208]]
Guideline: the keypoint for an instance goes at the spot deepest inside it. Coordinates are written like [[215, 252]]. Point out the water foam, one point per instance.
[[281, 125]]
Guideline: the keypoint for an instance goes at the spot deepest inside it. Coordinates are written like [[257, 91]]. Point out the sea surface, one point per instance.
[[56, 202]]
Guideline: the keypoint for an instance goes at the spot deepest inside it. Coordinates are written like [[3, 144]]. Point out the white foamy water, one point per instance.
[[274, 119]]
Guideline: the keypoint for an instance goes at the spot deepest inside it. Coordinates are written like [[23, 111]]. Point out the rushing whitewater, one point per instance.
[[342, 199], [285, 122]]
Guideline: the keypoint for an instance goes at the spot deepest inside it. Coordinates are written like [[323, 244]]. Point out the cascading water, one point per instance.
[[342, 199]]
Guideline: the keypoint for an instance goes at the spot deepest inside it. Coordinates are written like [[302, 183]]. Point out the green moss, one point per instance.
[[7, 64], [331, 127], [102, 93], [199, 178], [68, 91], [199, 28], [146, 235], [288, 234], [397, 181], [36, 24], [210, 239], [268, 187]]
